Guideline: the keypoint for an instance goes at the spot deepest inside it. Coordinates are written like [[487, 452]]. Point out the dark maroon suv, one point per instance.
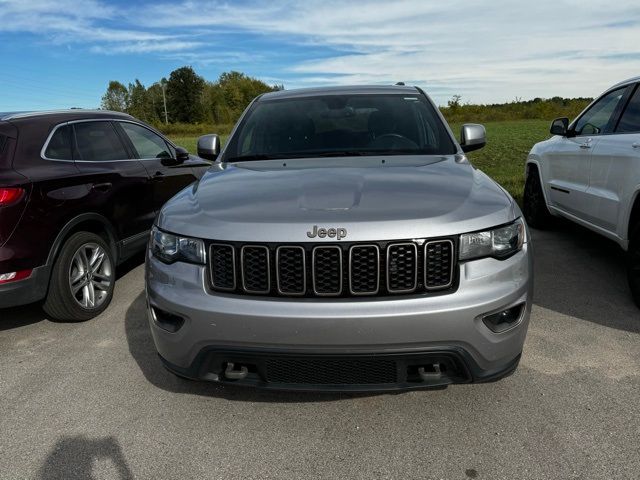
[[79, 191]]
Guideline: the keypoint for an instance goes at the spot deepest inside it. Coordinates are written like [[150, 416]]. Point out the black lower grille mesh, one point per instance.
[[319, 371]]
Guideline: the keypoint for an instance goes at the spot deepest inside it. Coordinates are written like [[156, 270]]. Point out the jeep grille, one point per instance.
[[333, 270]]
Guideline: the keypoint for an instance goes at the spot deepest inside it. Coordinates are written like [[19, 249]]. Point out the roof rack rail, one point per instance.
[[37, 113]]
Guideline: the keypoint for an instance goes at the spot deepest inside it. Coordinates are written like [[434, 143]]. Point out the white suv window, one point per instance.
[[596, 119], [630, 121]]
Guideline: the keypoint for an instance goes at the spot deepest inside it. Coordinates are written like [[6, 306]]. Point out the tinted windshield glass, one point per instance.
[[337, 125]]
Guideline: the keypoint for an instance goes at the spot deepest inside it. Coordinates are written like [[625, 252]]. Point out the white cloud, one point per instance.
[[486, 50], [145, 47], [82, 21], [492, 50]]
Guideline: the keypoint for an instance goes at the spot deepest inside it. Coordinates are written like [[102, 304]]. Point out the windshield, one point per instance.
[[339, 125]]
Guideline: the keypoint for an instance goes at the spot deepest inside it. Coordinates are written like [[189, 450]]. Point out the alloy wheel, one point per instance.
[[90, 276]]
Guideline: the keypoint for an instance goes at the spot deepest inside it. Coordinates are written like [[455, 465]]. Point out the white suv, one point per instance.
[[589, 172]]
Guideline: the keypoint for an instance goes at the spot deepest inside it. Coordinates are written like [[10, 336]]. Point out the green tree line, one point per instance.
[[193, 103], [536, 109], [186, 98]]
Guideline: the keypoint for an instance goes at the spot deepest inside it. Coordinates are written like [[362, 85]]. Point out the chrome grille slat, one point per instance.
[[291, 270], [364, 269], [438, 264], [402, 267], [326, 273], [222, 266], [255, 267]]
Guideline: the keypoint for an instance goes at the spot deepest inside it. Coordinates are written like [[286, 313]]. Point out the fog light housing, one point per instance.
[[167, 321], [505, 319]]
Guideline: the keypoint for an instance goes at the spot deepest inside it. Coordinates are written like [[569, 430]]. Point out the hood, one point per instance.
[[372, 198]]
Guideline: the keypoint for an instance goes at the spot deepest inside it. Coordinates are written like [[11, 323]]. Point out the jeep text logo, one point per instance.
[[338, 233]]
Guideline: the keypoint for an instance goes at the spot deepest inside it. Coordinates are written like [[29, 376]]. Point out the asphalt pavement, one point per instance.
[[91, 400]]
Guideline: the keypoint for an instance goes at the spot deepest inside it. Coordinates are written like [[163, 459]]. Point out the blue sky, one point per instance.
[[62, 53]]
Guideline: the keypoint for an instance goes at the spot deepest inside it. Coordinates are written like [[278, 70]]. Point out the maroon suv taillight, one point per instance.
[[14, 276], [9, 196]]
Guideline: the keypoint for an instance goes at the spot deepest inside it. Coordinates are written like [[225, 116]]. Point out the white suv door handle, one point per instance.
[[636, 145], [587, 143]]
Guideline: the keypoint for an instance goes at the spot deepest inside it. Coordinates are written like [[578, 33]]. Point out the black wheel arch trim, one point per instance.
[[74, 222], [633, 217], [535, 166]]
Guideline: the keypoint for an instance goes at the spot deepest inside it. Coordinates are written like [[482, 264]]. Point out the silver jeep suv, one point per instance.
[[341, 241]]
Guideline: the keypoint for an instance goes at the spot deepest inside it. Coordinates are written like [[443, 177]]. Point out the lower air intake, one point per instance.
[[317, 371]]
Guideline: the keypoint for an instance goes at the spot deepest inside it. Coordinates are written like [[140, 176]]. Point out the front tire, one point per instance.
[[633, 267], [82, 279], [534, 206]]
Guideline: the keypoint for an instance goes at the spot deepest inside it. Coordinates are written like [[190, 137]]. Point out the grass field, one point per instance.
[[508, 144], [503, 158]]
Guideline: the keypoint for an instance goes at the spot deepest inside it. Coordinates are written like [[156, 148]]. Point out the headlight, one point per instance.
[[498, 243], [172, 248]]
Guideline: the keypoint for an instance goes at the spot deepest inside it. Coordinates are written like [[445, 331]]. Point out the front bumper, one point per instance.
[[411, 331]]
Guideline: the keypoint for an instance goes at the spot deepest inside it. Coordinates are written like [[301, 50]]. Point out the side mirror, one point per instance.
[[209, 146], [473, 136], [560, 126], [182, 155]]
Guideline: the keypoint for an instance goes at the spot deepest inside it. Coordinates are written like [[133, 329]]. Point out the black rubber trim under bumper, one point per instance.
[[457, 367]]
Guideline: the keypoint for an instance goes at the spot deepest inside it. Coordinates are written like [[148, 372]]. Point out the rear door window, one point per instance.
[[146, 143], [98, 142], [630, 120], [59, 146]]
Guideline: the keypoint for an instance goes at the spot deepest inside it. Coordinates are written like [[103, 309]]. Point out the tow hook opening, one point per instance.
[[233, 372], [430, 372], [438, 371]]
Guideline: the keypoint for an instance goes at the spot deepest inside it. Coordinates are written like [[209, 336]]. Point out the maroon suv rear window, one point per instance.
[[3, 140]]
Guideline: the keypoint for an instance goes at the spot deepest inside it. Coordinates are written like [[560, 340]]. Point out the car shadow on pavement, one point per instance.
[[77, 456], [16, 317], [582, 274], [144, 353]]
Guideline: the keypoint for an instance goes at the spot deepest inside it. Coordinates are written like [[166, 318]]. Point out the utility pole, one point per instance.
[[164, 100]]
